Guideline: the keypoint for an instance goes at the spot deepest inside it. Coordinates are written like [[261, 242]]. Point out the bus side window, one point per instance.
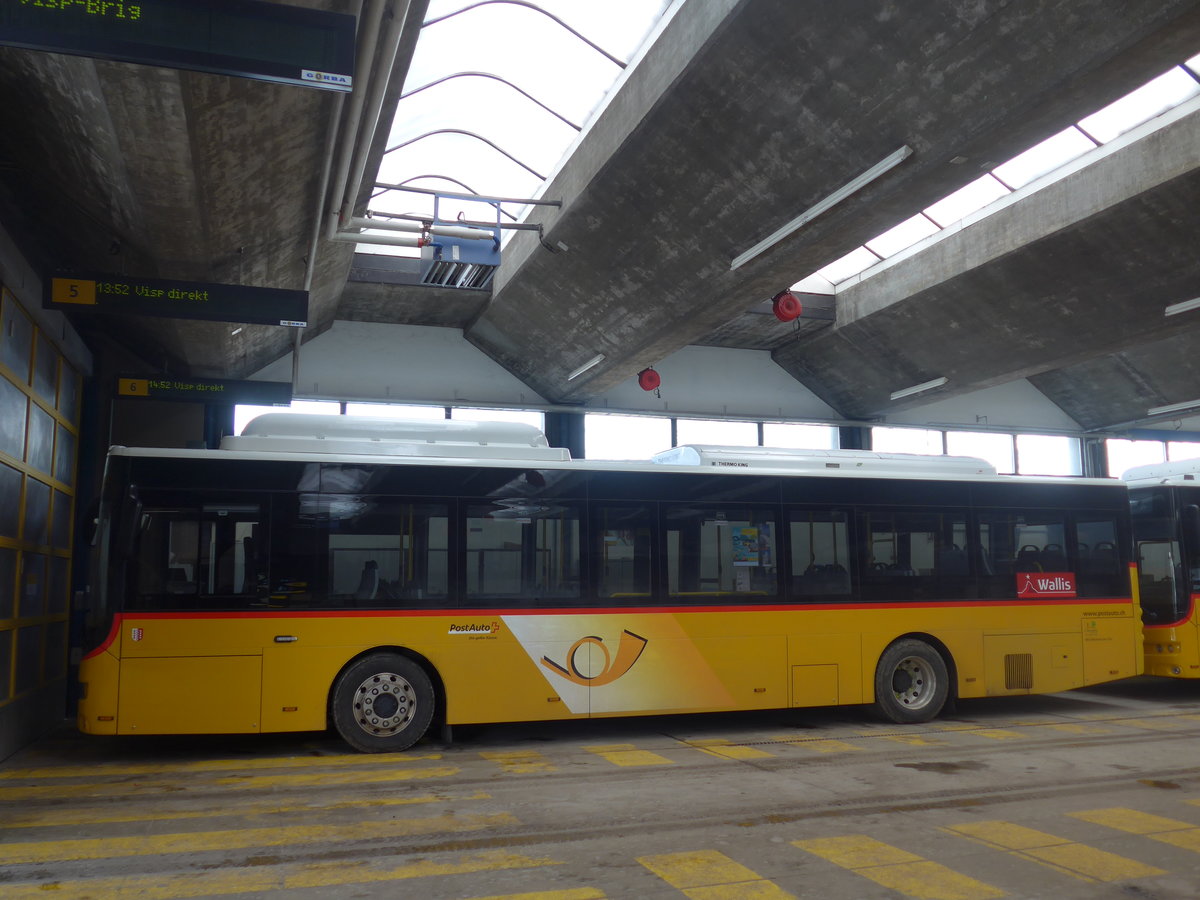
[[623, 552], [820, 552]]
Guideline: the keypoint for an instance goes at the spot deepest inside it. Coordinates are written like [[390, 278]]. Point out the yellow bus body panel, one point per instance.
[[245, 672]]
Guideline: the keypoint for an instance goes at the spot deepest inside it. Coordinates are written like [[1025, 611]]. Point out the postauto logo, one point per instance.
[[475, 628], [628, 651]]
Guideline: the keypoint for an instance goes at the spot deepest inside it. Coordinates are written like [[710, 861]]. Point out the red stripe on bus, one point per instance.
[[1187, 617], [112, 636], [604, 611]]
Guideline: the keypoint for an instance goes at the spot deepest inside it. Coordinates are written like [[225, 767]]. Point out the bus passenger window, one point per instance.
[[1014, 544], [385, 552], [1099, 568], [713, 551], [820, 553], [623, 554], [523, 550], [198, 558], [915, 556]]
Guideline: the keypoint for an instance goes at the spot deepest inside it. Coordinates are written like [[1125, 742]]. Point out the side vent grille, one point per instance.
[[1018, 671]]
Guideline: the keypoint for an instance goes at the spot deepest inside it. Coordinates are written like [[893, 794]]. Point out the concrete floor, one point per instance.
[[1092, 794]]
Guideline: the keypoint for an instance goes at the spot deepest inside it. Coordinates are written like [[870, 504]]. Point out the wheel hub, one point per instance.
[[384, 703], [913, 682]]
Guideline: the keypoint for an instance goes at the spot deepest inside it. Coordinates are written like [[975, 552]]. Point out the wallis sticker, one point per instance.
[[1046, 584]]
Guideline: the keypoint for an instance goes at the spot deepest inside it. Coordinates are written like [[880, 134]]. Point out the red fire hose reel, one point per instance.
[[786, 306], [649, 380]]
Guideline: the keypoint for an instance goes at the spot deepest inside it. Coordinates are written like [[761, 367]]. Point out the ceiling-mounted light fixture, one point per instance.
[[1173, 408], [594, 361], [919, 388], [1186, 306], [883, 166]]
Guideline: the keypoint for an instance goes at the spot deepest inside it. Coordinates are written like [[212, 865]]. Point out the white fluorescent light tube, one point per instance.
[[923, 386], [1173, 408], [1186, 306], [829, 202], [594, 361]]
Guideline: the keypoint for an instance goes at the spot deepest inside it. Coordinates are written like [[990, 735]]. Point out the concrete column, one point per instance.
[[1095, 457], [854, 437], [566, 430]]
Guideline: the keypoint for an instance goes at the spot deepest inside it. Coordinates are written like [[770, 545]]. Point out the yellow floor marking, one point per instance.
[[521, 762], [52, 817], [628, 755], [242, 838], [65, 791], [220, 765], [325, 779], [1184, 835], [568, 894], [710, 875], [1131, 820], [723, 749], [898, 869], [1081, 729], [1153, 723], [1078, 860], [999, 734], [265, 878], [913, 740], [826, 746]]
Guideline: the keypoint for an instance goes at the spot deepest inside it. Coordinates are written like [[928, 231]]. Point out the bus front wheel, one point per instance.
[[383, 703], [911, 682]]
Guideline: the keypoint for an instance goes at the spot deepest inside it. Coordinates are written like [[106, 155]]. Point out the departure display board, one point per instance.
[[205, 390], [160, 298], [245, 38]]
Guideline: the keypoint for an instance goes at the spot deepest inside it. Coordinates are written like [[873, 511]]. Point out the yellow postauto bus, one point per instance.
[[1165, 502], [382, 576]]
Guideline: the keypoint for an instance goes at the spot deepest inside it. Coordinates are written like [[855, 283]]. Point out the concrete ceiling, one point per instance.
[[742, 115]]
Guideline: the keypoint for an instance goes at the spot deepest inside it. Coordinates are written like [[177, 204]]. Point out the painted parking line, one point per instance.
[[998, 734], [219, 765], [898, 869], [912, 740], [628, 755], [1078, 860], [56, 816], [1159, 828], [1081, 729], [723, 749], [1155, 723], [825, 746], [156, 788], [521, 762], [268, 878], [243, 838], [711, 875], [568, 894]]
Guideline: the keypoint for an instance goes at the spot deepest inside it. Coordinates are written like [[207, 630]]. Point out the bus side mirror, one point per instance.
[[1191, 526]]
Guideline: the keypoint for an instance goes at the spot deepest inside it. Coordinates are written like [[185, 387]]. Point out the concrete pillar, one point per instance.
[[855, 437], [566, 430], [1094, 454]]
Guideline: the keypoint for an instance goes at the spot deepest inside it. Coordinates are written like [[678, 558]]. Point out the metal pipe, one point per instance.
[[456, 196], [399, 240], [469, 223], [379, 85], [474, 234], [362, 75]]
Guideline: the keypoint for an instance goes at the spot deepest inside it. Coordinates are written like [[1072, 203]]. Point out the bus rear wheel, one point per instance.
[[383, 703], [911, 682]]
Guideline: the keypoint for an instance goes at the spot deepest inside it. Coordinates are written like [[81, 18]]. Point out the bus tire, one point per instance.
[[383, 703], [911, 682]]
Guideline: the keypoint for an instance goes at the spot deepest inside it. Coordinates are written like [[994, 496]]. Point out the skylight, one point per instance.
[[475, 133], [1152, 99]]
